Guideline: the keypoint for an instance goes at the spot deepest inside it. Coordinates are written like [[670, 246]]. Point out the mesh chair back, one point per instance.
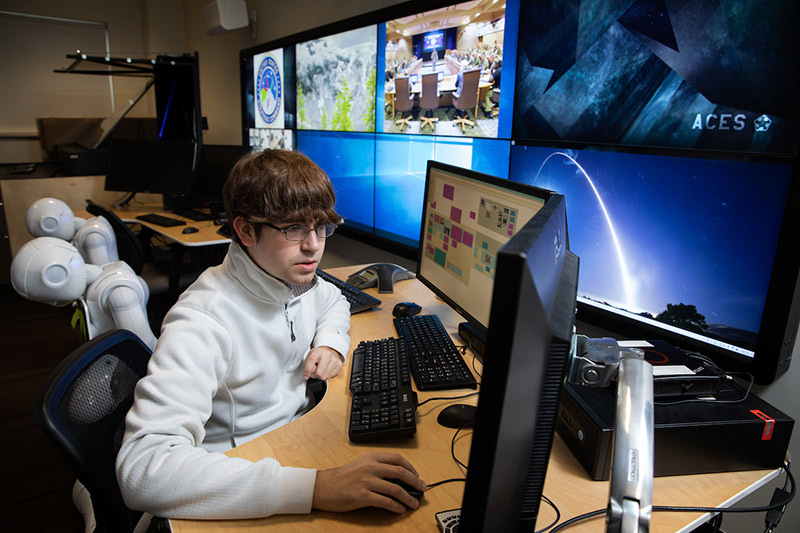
[[129, 247], [81, 407]]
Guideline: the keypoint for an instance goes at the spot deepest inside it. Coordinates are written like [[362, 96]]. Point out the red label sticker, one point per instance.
[[769, 424]]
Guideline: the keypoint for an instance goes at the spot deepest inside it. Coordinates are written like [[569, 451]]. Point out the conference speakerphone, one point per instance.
[[738, 431]]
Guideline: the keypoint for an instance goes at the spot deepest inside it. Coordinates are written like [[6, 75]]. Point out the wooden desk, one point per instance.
[[177, 240], [319, 439], [205, 236]]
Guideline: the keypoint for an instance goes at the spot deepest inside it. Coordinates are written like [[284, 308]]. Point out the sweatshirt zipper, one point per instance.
[[289, 322]]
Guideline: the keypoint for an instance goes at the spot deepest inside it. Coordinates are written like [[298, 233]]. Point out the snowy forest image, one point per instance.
[[336, 81]]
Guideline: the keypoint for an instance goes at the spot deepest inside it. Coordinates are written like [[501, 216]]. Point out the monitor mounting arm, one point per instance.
[[595, 363]]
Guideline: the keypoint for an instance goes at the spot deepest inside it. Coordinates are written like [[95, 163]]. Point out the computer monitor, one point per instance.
[[529, 342], [213, 164], [161, 167], [467, 216]]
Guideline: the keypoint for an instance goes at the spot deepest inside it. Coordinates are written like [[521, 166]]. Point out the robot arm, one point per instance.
[[96, 242], [127, 309]]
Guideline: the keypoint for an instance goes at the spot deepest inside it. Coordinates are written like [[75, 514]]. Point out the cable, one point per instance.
[[557, 518], [780, 499], [715, 400], [579, 518], [451, 480], [446, 398], [453, 446]]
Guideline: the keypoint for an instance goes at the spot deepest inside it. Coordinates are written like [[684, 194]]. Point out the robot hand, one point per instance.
[[94, 238]]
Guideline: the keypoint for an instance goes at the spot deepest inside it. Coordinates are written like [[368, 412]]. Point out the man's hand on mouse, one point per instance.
[[363, 483]]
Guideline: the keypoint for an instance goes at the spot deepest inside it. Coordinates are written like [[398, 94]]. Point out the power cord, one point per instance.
[[780, 499], [779, 495]]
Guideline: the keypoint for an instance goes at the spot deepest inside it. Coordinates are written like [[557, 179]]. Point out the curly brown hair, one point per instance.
[[279, 186]]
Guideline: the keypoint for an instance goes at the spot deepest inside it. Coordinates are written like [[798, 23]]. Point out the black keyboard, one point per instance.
[[161, 220], [435, 361], [194, 214], [358, 299], [383, 403]]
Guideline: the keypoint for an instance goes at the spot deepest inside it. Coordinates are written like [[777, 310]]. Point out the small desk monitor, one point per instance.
[[213, 165], [527, 353], [467, 216], [161, 167]]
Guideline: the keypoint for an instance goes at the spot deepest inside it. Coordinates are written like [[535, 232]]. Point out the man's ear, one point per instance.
[[245, 230]]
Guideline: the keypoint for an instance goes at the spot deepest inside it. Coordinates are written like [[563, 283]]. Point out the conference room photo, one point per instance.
[[399, 265]]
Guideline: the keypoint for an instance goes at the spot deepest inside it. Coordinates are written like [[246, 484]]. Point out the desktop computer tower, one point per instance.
[[739, 432]]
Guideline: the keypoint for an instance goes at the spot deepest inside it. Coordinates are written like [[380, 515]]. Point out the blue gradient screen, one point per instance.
[[653, 230], [379, 179]]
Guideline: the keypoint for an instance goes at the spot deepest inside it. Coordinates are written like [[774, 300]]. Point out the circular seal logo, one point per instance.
[[268, 90]]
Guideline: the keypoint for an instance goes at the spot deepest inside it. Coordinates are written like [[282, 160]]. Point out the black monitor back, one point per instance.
[[162, 167]]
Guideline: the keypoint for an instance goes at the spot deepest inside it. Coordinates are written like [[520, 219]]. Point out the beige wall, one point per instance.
[[219, 54], [135, 27], [31, 89]]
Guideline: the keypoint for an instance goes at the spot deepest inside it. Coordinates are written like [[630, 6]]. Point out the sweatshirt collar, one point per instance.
[[257, 281]]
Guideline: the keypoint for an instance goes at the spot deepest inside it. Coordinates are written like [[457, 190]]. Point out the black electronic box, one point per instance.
[[736, 430]]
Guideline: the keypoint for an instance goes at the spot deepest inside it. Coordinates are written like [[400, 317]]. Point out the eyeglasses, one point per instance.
[[297, 233]]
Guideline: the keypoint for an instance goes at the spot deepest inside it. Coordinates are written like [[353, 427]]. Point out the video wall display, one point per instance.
[[443, 69], [269, 101], [671, 127], [688, 242], [336, 81], [680, 74]]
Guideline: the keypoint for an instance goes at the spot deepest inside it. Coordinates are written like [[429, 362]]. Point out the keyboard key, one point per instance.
[[435, 361], [383, 404]]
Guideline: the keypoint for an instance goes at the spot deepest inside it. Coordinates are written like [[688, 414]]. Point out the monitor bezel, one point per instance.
[[527, 356], [132, 185], [514, 186]]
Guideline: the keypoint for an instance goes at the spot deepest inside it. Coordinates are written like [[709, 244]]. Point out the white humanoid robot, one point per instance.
[[52, 271], [94, 238]]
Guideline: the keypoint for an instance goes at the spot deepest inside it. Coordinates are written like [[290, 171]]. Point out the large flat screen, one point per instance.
[[336, 78], [685, 245], [690, 74]]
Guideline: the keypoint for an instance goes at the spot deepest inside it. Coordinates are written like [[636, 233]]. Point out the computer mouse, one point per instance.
[[190, 229], [413, 492], [457, 416], [406, 309]]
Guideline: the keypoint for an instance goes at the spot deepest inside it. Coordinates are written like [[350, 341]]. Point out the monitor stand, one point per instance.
[[474, 338]]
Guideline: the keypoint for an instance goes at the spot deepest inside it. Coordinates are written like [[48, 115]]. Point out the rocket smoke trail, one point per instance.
[[626, 280]]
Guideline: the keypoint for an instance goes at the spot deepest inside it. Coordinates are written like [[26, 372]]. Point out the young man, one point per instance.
[[233, 359]]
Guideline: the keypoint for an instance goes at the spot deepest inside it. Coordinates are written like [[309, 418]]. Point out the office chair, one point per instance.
[[403, 100], [429, 99], [81, 408], [129, 247], [161, 276], [468, 97]]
